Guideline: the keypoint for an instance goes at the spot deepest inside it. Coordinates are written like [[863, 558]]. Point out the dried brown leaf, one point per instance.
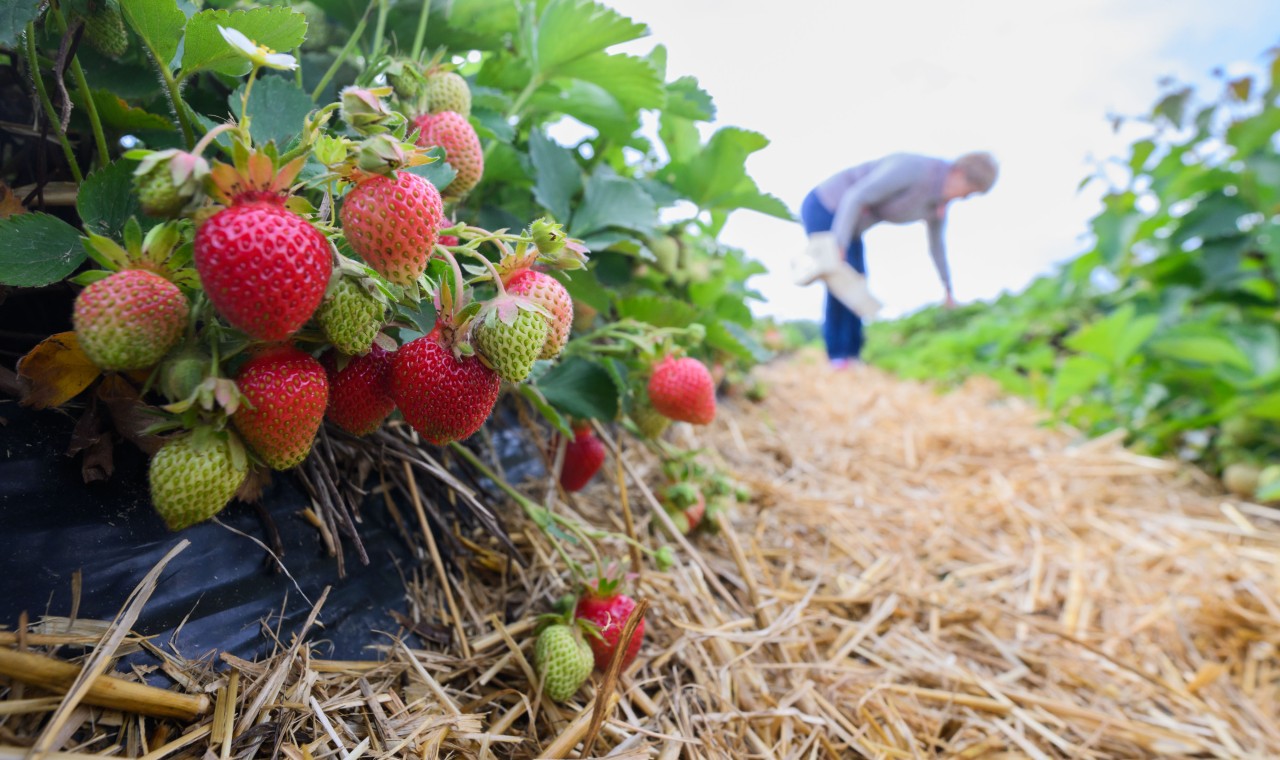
[[55, 372]]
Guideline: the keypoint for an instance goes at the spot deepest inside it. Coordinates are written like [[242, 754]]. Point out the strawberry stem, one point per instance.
[[209, 136], [54, 122], [493, 271], [540, 516]]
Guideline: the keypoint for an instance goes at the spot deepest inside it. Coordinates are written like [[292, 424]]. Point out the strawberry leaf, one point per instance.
[[581, 389], [37, 249]]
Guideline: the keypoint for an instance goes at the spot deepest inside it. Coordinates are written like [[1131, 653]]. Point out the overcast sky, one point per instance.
[[833, 83]]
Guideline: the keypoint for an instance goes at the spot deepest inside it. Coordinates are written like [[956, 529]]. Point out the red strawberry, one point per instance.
[[264, 267], [448, 240], [582, 459], [455, 134], [682, 389], [609, 610], [287, 392], [360, 393], [547, 292], [130, 320], [392, 224], [443, 397]]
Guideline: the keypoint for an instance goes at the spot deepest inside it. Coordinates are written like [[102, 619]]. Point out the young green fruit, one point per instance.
[[130, 319], [351, 316], [510, 333], [194, 476], [448, 91], [563, 660]]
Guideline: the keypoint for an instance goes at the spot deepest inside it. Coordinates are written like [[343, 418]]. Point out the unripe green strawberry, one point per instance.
[[447, 91], [351, 316], [452, 131], [563, 659], [509, 334], [667, 251], [130, 320], [651, 424], [547, 292], [286, 392], [194, 476], [104, 29], [157, 193], [168, 181]]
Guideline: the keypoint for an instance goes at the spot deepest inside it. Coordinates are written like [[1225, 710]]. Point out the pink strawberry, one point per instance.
[[602, 605], [455, 134], [264, 268], [130, 319], [443, 397], [392, 224], [547, 292], [287, 392], [682, 389], [448, 240], [582, 459], [360, 393]]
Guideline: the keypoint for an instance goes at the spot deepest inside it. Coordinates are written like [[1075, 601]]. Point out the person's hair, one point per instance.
[[979, 168]]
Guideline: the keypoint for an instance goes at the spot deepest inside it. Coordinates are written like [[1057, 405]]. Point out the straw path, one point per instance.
[[918, 575]]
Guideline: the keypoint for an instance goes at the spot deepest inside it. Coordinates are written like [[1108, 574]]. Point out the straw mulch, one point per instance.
[[919, 575]]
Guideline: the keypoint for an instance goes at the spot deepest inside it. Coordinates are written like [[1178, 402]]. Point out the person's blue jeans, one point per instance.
[[841, 329]]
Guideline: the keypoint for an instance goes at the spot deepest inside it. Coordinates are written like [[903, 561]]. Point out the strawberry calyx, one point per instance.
[[253, 178], [159, 251]]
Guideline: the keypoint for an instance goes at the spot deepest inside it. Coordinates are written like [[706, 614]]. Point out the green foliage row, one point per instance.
[[1169, 327]]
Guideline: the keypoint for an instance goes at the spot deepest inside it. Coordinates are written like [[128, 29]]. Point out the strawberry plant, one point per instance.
[[305, 230]]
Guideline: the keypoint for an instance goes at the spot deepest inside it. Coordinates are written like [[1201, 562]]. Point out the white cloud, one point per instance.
[[837, 83]]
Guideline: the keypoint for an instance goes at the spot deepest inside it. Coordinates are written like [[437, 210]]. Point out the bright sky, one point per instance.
[[836, 82]]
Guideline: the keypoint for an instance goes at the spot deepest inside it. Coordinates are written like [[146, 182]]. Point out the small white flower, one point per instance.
[[259, 54]]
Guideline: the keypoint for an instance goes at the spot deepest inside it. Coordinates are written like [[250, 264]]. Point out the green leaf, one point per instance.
[[106, 199], [548, 412], [37, 249], [1076, 375], [590, 104], [1248, 135], [14, 17], [118, 115], [438, 172], [687, 100], [582, 389], [718, 169], [632, 81], [588, 290], [1206, 348], [571, 29], [277, 109], [1115, 338], [611, 201], [557, 175], [733, 339], [159, 23], [277, 28], [492, 124], [659, 311]]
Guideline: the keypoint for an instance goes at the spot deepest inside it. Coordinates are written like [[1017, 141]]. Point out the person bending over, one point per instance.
[[899, 189]]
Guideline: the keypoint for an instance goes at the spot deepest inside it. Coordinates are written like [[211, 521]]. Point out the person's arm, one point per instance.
[[938, 250], [887, 178]]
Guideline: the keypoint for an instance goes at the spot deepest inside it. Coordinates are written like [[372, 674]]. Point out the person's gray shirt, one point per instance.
[[898, 189]]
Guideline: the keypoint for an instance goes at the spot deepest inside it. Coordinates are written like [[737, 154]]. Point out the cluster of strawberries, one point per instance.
[[588, 636]]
